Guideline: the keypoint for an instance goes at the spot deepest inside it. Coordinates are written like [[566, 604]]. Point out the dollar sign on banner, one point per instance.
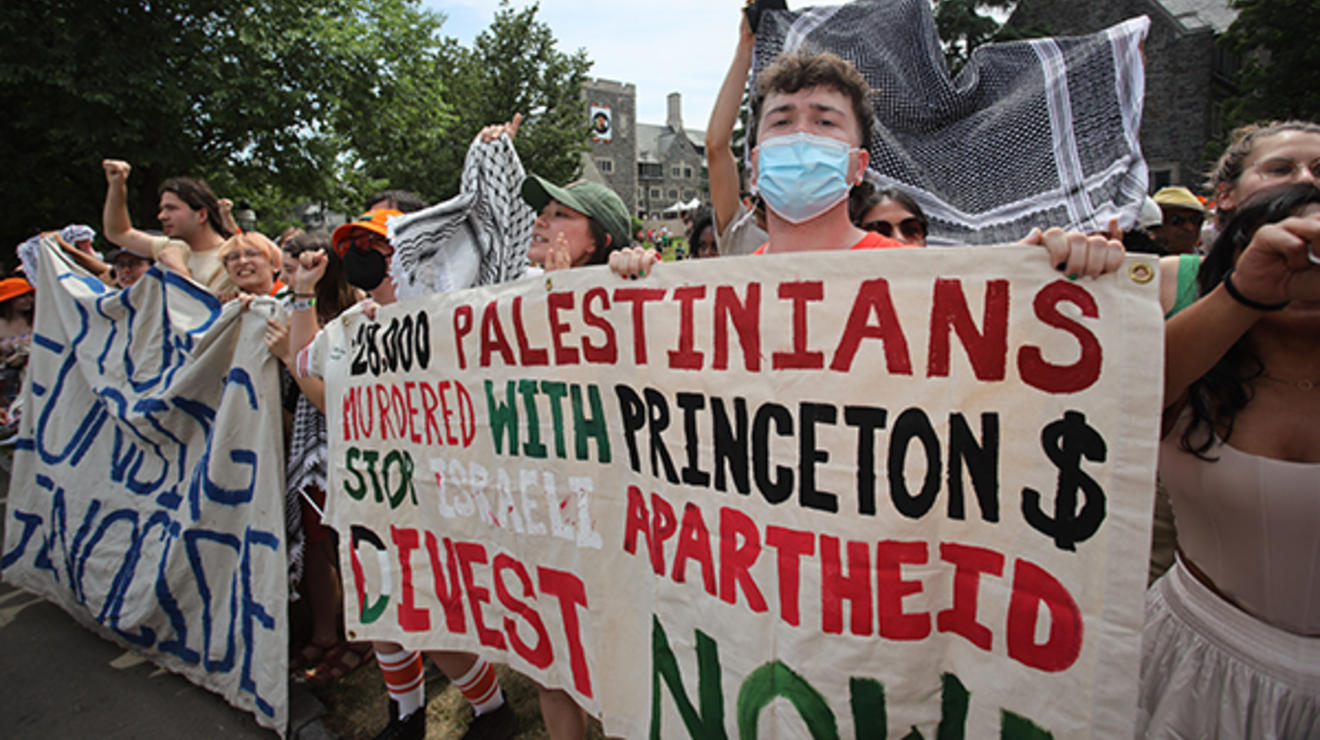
[[1066, 441]]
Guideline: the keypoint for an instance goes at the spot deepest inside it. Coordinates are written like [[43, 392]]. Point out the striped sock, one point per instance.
[[481, 687], [403, 679]]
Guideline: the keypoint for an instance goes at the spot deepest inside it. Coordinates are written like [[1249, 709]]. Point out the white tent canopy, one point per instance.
[[679, 205]]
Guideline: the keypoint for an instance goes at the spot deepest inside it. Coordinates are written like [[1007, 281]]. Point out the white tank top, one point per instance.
[[1252, 525]]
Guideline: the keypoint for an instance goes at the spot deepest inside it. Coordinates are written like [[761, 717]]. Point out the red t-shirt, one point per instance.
[[872, 240]]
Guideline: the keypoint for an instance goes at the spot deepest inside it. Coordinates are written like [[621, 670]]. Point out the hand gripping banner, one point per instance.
[[147, 490], [894, 489]]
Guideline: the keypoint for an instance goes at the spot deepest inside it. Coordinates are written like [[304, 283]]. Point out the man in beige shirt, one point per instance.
[[190, 217]]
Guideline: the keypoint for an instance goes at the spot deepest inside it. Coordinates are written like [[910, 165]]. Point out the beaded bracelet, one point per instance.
[[302, 304], [1257, 305]]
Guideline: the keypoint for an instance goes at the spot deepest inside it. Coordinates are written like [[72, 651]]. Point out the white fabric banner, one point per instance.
[[894, 488], [147, 491]]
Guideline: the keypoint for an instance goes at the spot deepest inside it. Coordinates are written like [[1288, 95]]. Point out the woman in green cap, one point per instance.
[[577, 224]]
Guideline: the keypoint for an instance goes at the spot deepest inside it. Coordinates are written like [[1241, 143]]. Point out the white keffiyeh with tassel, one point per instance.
[[478, 237]]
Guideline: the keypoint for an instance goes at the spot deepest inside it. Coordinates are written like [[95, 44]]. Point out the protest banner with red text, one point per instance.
[[894, 489]]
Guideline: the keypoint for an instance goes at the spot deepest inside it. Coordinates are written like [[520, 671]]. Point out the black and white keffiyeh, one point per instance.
[[478, 237], [1041, 132]]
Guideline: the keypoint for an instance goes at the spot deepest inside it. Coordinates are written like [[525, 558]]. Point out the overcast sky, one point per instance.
[[631, 41]]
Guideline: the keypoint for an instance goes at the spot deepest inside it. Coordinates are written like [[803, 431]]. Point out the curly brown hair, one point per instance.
[[802, 69]]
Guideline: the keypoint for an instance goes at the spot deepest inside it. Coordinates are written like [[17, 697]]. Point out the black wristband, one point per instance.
[[304, 295], [1257, 305]]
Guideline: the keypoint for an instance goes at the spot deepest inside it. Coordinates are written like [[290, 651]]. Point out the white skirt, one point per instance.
[[1210, 670]]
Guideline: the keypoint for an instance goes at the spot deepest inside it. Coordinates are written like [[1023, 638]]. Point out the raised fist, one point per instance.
[[116, 170]]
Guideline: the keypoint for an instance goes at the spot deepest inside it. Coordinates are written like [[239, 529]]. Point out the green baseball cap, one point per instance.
[[600, 203]]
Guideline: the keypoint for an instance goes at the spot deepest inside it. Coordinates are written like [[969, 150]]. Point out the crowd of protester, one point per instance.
[[1236, 616]]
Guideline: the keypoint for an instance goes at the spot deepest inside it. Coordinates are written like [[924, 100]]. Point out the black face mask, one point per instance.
[[364, 268]]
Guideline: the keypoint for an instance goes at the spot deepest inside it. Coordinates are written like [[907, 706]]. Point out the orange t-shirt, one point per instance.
[[872, 240]]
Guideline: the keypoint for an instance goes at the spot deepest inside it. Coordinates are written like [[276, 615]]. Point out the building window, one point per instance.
[[676, 171], [655, 192], [687, 172], [689, 195], [605, 165], [1218, 130], [673, 194], [650, 169], [1162, 176]]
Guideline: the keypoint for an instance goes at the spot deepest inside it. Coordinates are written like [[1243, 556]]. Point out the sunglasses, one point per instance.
[[1177, 219], [911, 228], [364, 240]]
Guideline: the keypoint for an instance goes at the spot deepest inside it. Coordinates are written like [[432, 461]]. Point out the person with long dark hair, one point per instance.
[[889, 212], [701, 236], [190, 217], [1237, 618], [327, 656]]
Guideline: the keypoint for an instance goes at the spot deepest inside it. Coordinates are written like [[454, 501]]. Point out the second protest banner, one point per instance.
[[898, 489]]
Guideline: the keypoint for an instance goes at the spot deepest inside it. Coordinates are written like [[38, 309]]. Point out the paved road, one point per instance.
[[58, 680]]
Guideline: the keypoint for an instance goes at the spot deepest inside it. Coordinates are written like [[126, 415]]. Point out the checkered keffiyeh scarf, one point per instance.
[[74, 233], [1031, 133], [478, 237]]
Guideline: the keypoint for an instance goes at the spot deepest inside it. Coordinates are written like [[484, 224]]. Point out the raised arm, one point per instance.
[[227, 215], [496, 130], [84, 260], [1273, 270], [722, 167], [302, 321], [115, 223]]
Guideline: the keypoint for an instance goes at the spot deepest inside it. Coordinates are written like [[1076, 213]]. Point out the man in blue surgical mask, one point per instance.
[[813, 127], [812, 122]]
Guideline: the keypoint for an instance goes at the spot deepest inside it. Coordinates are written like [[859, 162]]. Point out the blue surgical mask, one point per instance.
[[802, 175]]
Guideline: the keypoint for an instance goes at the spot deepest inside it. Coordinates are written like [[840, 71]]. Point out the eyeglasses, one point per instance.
[[250, 254], [911, 228], [1282, 168]]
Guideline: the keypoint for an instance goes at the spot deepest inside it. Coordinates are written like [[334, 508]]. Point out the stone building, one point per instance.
[[613, 154], [669, 162], [650, 166], [1188, 76]]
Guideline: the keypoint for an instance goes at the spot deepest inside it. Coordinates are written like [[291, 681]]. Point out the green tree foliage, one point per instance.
[[1280, 73], [394, 111], [275, 101], [239, 93], [514, 66], [963, 27]]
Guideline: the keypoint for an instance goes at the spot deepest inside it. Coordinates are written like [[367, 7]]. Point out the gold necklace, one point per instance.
[[1301, 385]]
